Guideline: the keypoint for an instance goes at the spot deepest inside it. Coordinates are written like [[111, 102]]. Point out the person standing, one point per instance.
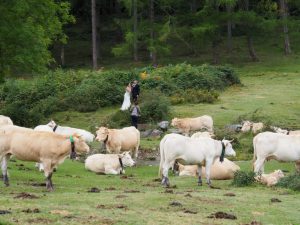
[[135, 90], [135, 114]]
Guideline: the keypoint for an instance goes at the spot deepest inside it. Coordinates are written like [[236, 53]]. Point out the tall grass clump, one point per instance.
[[292, 182], [243, 178]]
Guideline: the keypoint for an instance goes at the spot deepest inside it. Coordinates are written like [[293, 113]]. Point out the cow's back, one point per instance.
[[201, 122], [4, 120], [128, 137]]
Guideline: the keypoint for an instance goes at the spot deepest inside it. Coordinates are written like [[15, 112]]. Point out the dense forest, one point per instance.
[[38, 35]]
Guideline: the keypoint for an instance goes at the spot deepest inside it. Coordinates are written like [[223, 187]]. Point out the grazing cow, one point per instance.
[[4, 120], [109, 163], [117, 140], [185, 125], [269, 145], [189, 151], [256, 127], [88, 137], [202, 134], [37, 146], [270, 179], [219, 170]]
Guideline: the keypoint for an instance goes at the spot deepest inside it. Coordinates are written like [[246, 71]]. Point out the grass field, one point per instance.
[[270, 90]]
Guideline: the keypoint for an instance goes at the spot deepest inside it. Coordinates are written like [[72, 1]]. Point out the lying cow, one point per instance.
[[270, 179], [48, 148], [109, 163], [256, 127], [189, 151], [88, 137], [202, 134], [119, 140], [269, 145], [186, 125], [219, 170], [287, 132], [4, 120]]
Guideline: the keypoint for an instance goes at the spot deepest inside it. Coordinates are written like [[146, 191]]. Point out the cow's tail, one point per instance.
[[254, 152], [162, 155]]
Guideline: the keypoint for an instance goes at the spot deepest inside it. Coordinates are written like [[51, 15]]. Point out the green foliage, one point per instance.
[[243, 178], [292, 182], [119, 119]]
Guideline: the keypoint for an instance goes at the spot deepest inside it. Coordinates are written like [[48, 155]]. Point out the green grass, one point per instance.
[[149, 206]]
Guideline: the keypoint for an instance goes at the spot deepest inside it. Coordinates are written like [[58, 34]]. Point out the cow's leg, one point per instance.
[[48, 174], [136, 151], [208, 165], [111, 171], [4, 169], [165, 180], [259, 166], [199, 174]]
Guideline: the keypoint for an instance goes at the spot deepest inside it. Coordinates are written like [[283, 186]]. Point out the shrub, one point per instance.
[[119, 119], [292, 182], [242, 178]]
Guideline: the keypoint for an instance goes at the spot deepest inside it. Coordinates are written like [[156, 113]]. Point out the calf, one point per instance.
[[270, 179]]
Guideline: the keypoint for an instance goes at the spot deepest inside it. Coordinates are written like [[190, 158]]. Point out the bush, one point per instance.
[[291, 182], [242, 178], [119, 119]]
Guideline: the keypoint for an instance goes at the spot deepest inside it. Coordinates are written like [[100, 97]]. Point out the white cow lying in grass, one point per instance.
[[87, 136], [109, 163], [48, 148], [189, 151], [186, 125], [270, 179], [5, 120], [219, 170], [269, 145], [287, 132]]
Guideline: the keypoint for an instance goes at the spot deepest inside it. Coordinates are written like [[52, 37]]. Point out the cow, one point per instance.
[[119, 140], [87, 136], [4, 120], [256, 127], [189, 151], [185, 125], [202, 134], [270, 179], [38, 146], [287, 132], [219, 170], [109, 163], [269, 145]]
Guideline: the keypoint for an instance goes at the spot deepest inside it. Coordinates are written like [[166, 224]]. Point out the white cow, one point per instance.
[[203, 134], [287, 132], [109, 163], [248, 125], [269, 145], [88, 137], [5, 120], [119, 140], [189, 151]]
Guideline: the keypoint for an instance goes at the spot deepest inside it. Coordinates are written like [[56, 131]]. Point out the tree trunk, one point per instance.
[[62, 55], [216, 57], [153, 50], [252, 52], [284, 15], [94, 35], [135, 47], [229, 30]]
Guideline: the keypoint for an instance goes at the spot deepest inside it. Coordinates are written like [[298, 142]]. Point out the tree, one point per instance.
[[27, 29], [94, 34], [284, 14]]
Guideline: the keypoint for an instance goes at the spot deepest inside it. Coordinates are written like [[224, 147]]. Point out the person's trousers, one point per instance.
[[134, 121]]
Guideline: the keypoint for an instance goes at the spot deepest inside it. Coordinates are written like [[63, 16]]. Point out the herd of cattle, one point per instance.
[[49, 145]]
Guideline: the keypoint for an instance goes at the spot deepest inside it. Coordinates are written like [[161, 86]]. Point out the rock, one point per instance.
[[163, 125], [173, 130], [146, 133], [233, 127], [156, 133], [143, 126]]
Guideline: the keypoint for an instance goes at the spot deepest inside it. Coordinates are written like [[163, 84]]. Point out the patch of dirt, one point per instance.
[[214, 187], [110, 189], [151, 185], [24, 195], [19, 164], [253, 223], [189, 211], [60, 212], [229, 194], [130, 176], [175, 203], [169, 191], [2, 212], [222, 215], [36, 210], [35, 184], [119, 206], [121, 196], [188, 195], [172, 187], [94, 190], [275, 200], [131, 191], [157, 180], [40, 221]]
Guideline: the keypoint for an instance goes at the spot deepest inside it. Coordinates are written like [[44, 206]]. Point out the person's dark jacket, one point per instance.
[[135, 91]]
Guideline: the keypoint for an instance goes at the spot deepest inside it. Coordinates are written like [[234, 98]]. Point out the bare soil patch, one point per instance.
[[36, 184], [169, 191], [253, 223], [175, 203], [118, 206], [40, 221], [2, 212], [94, 190], [121, 196], [189, 211], [24, 195], [275, 200], [229, 194], [188, 195], [36, 210], [131, 191], [222, 215], [110, 189]]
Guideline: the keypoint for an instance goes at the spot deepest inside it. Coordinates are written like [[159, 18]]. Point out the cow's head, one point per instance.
[[102, 134], [174, 122], [246, 126], [51, 124], [228, 148], [80, 145], [278, 173], [126, 159]]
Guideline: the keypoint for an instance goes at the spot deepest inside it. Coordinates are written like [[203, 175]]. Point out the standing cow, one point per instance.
[[269, 145], [185, 125], [189, 151], [117, 140]]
